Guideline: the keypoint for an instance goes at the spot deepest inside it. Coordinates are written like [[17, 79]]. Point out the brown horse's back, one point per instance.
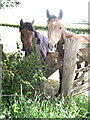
[[85, 51], [80, 39]]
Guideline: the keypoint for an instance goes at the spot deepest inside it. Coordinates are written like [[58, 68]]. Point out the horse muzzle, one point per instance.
[[52, 48]]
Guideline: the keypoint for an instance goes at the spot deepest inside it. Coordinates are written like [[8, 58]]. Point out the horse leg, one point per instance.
[[26, 53], [60, 78], [60, 61], [86, 64], [78, 66], [81, 65]]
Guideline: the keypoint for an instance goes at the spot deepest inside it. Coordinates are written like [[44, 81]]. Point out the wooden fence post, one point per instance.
[[70, 55], [1, 49]]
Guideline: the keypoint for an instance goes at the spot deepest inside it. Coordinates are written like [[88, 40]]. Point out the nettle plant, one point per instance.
[[21, 92], [21, 75]]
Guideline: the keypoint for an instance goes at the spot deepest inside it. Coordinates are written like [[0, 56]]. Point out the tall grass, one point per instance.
[[74, 107]]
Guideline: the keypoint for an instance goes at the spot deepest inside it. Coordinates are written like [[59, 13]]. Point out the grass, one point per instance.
[[61, 109], [72, 107]]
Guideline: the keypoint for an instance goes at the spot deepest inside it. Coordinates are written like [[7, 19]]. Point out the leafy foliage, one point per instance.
[[25, 71], [8, 3], [21, 96], [79, 30]]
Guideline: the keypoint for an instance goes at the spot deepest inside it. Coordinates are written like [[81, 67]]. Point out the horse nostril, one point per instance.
[[55, 45], [48, 45]]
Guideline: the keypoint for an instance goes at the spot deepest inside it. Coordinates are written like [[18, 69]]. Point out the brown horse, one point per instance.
[[27, 33], [26, 30], [57, 35]]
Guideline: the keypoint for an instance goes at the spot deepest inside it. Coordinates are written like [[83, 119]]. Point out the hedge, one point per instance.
[[75, 30]]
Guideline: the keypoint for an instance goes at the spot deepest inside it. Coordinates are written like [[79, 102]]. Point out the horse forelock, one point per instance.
[[51, 17], [28, 25], [54, 21]]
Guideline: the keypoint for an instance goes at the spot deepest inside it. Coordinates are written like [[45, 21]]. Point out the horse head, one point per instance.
[[27, 31], [55, 30]]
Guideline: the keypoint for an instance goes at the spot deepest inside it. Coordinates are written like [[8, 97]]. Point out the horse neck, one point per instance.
[[66, 34], [61, 43], [63, 36]]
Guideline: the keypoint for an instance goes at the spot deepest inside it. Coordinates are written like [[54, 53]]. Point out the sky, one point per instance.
[[73, 11]]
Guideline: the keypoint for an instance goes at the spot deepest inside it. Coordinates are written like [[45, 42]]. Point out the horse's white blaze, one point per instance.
[[52, 43], [54, 22], [52, 38]]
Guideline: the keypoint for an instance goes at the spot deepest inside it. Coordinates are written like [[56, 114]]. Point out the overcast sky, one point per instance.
[[73, 11]]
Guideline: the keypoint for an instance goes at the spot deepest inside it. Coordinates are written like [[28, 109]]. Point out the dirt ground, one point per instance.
[[51, 85]]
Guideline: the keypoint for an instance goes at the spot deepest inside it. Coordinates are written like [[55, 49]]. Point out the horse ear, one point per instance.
[[60, 14], [47, 14], [32, 22], [21, 22]]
